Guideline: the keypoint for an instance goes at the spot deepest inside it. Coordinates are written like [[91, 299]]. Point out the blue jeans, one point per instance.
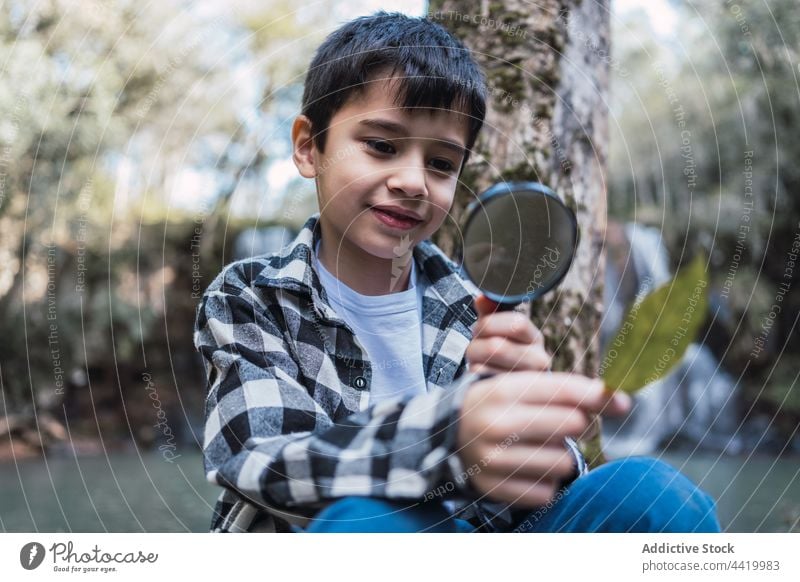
[[638, 494]]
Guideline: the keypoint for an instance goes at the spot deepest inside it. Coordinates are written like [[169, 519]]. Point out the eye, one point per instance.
[[442, 165], [380, 146]]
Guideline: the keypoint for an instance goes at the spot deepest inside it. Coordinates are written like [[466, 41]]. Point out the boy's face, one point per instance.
[[379, 156]]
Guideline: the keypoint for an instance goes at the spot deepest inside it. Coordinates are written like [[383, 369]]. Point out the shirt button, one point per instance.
[[360, 382]]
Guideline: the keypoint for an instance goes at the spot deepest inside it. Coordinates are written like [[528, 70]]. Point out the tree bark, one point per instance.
[[546, 65]]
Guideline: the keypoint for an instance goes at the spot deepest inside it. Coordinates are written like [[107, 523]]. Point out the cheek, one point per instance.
[[351, 173], [444, 206], [338, 180], [439, 214], [442, 201]]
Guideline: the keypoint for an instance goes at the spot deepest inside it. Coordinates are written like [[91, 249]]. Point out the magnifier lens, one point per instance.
[[519, 244]]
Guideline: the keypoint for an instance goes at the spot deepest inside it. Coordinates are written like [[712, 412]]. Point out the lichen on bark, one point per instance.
[[547, 122]]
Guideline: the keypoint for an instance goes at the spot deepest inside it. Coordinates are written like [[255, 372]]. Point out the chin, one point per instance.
[[385, 247], [379, 251]]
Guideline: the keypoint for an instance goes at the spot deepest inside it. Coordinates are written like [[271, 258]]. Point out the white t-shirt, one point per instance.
[[390, 329]]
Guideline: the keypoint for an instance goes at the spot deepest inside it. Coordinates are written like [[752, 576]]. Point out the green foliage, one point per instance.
[[105, 106], [729, 80], [657, 330]]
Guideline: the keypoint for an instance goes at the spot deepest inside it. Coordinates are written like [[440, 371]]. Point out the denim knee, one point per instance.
[[642, 494], [371, 514]]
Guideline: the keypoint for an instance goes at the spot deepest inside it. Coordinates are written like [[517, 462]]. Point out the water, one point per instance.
[[127, 493], [697, 399], [124, 493], [755, 494]]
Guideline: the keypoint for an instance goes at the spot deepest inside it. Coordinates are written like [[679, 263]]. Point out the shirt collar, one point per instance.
[[292, 269]]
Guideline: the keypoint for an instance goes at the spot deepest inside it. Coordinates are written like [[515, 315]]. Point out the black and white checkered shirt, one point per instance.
[[289, 426]]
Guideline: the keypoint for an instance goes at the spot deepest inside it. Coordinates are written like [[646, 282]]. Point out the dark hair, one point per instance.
[[433, 69]]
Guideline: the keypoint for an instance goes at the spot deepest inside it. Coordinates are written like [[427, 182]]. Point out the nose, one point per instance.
[[409, 179]]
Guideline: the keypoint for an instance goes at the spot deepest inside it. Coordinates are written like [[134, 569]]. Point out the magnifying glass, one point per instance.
[[519, 242]]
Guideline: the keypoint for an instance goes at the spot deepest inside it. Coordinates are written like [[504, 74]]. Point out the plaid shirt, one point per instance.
[[289, 427]]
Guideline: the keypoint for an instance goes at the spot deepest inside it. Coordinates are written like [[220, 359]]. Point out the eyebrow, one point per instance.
[[396, 128]]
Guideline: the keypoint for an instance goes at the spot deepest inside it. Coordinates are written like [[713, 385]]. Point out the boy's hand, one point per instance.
[[512, 430], [505, 341]]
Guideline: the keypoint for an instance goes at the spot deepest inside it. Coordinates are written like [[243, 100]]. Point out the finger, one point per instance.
[[486, 369], [559, 388], [619, 403], [539, 425], [507, 355], [510, 324], [520, 492], [521, 460]]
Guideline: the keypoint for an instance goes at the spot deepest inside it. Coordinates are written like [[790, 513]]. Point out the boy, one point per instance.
[[339, 392]]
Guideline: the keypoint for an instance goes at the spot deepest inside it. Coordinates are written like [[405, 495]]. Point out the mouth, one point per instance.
[[396, 217]]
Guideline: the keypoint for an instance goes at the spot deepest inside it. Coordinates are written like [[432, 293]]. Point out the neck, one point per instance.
[[364, 273]]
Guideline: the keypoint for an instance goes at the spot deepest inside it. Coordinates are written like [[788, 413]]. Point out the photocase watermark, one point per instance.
[[66, 559], [744, 224], [167, 449], [542, 125], [152, 96], [339, 156], [389, 364], [479, 20], [194, 245], [97, 7], [472, 470], [738, 14], [8, 135], [31, 555], [577, 32], [544, 267], [669, 354], [82, 234], [619, 341], [689, 165], [768, 321], [177, 61], [174, 63], [288, 214], [678, 112], [535, 516], [402, 255], [290, 211], [51, 305], [327, 345]]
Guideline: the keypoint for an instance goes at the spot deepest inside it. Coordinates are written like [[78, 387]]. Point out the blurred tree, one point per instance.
[[129, 137], [704, 147], [547, 72], [106, 105]]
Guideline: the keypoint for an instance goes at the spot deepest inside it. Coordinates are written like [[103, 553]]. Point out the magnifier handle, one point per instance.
[[495, 306]]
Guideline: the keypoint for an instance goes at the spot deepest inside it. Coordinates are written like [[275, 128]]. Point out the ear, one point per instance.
[[304, 151]]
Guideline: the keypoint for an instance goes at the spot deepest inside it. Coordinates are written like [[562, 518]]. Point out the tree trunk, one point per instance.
[[546, 65]]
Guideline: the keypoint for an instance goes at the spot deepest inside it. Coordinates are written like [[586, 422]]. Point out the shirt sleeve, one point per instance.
[[497, 515], [268, 440]]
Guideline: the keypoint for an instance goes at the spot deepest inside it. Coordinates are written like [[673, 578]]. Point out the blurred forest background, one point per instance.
[[704, 148], [140, 143]]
